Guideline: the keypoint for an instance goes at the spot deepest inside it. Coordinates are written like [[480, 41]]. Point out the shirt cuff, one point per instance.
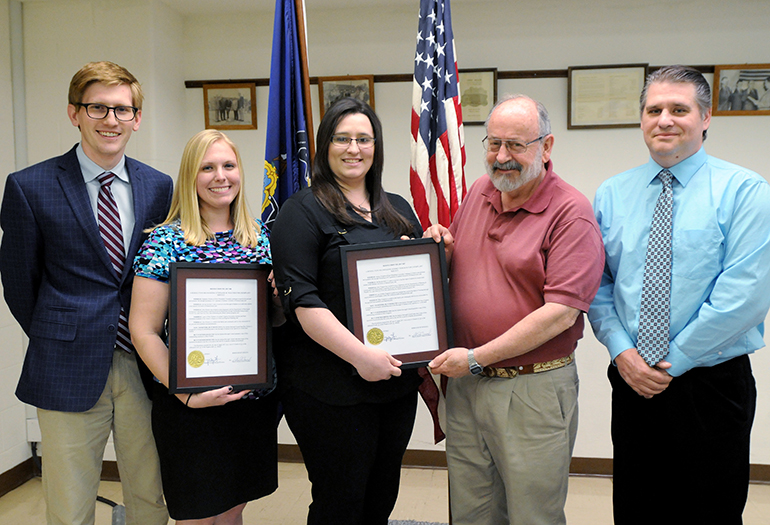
[[618, 343], [680, 363]]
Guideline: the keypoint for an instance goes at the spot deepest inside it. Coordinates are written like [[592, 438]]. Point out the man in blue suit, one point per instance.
[[69, 297]]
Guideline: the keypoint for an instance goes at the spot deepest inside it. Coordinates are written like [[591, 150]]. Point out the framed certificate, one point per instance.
[[604, 96], [397, 298], [219, 329]]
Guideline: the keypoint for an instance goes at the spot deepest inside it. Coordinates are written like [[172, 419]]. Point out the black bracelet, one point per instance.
[[187, 403]]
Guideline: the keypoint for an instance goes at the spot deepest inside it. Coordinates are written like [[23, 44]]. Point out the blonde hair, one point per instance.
[[107, 73], [184, 203]]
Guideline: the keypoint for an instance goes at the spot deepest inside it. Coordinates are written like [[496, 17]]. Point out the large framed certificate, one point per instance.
[[397, 298], [219, 329]]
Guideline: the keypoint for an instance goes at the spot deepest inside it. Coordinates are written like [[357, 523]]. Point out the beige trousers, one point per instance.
[[73, 447], [509, 446]]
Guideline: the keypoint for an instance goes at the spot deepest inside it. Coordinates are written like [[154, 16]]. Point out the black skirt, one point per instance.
[[212, 459]]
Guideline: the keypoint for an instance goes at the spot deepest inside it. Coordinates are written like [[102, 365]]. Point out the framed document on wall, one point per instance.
[[219, 328], [478, 94], [397, 298], [604, 96]]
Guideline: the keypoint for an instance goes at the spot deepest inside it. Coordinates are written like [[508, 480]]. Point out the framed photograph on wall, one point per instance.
[[604, 96], [478, 94], [331, 89], [741, 89], [230, 106]]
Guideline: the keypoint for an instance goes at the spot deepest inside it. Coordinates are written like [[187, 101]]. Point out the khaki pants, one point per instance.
[[73, 447], [509, 446]]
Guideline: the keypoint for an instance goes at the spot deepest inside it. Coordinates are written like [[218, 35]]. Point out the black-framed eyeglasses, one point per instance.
[[100, 111], [343, 142], [494, 145]]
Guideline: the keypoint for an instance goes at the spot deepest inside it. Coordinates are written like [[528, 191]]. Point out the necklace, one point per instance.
[[360, 207]]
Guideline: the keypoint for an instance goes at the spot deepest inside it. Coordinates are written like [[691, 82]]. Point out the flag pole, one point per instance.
[[299, 7]]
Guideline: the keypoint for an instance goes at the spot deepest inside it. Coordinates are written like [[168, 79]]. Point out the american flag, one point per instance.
[[437, 173]]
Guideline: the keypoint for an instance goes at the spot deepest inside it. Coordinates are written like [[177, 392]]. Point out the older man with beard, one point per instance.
[[526, 258]]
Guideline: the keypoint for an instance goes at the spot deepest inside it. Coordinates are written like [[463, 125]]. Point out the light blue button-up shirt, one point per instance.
[[720, 274]]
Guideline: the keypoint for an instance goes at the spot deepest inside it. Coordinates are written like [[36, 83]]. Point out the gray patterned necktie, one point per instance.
[[654, 316]]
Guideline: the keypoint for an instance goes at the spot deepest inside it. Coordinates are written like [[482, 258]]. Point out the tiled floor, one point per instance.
[[423, 497]]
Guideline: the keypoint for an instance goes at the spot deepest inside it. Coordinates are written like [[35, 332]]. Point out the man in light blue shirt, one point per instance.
[[681, 428]]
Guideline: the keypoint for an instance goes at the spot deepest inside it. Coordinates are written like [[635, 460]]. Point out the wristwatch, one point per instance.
[[474, 367]]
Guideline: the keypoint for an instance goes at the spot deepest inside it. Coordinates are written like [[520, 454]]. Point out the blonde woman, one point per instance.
[[217, 448]]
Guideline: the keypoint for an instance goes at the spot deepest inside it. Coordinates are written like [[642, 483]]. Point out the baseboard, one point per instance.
[[17, 476], [598, 467]]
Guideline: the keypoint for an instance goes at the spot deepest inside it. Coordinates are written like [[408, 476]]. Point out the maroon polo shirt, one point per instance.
[[507, 264]]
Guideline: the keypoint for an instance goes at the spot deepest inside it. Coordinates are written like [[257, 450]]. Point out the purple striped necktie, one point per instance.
[[112, 235]]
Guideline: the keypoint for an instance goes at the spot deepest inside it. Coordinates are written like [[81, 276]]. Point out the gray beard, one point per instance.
[[508, 184]]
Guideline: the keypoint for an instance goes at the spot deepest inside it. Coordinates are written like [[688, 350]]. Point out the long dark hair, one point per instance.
[[324, 183]]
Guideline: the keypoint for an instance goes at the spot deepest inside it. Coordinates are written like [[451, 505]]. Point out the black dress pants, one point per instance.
[[683, 456], [352, 454]]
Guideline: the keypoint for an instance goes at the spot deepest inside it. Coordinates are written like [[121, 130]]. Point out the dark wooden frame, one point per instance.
[[325, 84], [486, 75], [719, 73], [210, 90], [352, 253], [180, 273]]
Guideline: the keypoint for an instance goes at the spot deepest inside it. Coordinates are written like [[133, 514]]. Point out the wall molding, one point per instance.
[[408, 77]]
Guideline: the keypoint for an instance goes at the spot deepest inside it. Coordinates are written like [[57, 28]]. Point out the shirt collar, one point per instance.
[[92, 170], [537, 202], [683, 171]]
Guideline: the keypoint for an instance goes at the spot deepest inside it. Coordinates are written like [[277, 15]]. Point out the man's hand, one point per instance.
[[646, 381], [438, 232], [452, 363]]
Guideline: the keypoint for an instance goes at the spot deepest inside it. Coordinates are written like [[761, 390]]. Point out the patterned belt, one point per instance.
[[535, 368]]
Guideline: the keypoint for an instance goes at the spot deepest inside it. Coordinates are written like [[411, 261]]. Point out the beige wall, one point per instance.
[[170, 48]]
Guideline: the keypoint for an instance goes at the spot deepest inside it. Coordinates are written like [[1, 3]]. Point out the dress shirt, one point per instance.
[[720, 274], [121, 190]]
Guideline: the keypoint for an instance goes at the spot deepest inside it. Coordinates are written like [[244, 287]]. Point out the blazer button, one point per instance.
[[111, 328]]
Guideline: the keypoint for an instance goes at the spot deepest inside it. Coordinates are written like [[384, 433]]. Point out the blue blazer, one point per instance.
[[58, 280]]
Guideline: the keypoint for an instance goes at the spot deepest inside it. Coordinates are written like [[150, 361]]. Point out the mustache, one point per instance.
[[507, 166]]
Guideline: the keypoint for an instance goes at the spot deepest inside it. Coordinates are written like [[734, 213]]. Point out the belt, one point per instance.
[[535, 368]]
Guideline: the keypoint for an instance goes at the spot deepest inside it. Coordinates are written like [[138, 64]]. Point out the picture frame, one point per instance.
[[397, 298], [230, 106], [219, 327], [478, 94], [331, 89], [727, 94], [606, 96]]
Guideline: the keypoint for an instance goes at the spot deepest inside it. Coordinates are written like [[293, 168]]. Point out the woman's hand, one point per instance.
[[211, 398], [377, 365]]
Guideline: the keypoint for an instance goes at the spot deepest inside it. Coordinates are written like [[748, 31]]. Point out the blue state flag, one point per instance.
[[286, 150]]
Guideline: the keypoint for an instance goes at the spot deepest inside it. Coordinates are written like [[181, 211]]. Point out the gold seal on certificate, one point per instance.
[[375, 336], [219, 327], [397, 297], [196, 359]]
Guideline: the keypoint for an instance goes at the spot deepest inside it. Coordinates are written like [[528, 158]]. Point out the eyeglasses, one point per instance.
[[343, 142], [494, 145], [100, 111]]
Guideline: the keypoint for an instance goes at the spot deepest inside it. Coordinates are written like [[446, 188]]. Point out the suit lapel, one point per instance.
[[140, 208], [74, 188]]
